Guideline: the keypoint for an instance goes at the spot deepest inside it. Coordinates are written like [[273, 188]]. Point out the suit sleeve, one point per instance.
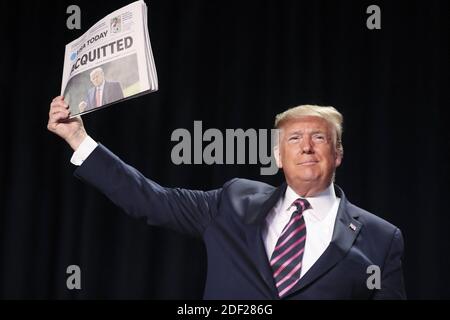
[[186, 211], [89, 100], [119, 91], [392, 284], [115, 92]]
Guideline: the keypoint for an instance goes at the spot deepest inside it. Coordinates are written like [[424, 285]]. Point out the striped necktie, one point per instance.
[[98, 97], [286, 260]]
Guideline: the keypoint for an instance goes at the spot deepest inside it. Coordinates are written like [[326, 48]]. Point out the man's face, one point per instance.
[[307, 153], [97, 78]]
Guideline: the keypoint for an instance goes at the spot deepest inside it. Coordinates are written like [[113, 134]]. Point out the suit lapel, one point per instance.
[[346, 229], [105, 94], [91, 98], [258, 208]]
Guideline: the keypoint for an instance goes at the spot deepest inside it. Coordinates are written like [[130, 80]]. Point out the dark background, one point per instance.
[[231, 64]]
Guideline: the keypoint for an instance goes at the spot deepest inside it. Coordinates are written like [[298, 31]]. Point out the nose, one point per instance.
[[306, 145]]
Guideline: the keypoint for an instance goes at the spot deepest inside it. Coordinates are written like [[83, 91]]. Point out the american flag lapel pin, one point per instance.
[[352, 226]]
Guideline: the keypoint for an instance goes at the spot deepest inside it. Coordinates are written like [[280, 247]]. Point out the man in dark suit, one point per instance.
[[302, 240], [102, 93]]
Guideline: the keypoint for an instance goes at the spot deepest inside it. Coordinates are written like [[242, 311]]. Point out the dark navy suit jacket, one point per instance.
[[230, 220], [112, 91]]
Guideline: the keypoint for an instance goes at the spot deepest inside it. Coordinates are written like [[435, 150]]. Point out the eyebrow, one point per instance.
[[301, 132]]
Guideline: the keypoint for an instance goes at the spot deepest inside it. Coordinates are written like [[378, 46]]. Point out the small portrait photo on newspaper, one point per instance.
[[103, 85]]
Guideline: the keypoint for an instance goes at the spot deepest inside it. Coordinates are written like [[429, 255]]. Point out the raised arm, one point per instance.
[[186, 211]]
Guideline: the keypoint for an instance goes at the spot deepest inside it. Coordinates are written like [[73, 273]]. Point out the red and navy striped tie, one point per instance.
[[286, 260]]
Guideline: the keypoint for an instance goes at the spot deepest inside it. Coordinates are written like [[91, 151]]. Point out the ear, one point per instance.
[[277, 155], [338, 159]]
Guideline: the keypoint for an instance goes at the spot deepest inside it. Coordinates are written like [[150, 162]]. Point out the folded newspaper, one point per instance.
[[111, 62]]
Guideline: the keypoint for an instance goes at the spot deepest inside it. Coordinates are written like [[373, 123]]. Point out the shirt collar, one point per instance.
[[321, 203]]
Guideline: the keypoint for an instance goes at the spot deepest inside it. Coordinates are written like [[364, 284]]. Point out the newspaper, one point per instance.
[[111, 62]]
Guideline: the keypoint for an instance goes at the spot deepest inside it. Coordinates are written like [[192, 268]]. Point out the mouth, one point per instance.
[[308, 163]]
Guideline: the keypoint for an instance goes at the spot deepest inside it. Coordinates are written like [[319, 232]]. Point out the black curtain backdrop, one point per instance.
[[230, 64]]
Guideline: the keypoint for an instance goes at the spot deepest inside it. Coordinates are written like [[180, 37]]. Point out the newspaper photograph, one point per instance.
[[111, 62]]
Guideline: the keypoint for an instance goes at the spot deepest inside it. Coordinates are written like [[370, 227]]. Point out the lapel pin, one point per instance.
[[352, 226]]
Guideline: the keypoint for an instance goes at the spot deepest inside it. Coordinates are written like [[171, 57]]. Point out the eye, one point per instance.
[[293, 139], [319, 137]]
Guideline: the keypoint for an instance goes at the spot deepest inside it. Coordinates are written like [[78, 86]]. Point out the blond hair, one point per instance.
[[330, 114], [95, 71]]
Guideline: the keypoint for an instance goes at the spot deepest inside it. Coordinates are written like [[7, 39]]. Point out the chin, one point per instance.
[[308, 178], [309, 175]]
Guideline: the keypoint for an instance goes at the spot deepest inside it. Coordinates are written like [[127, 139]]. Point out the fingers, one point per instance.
[[59, 122], [59, 111], [55, 119], [59, 116], [58, 98], [58, 103], [57, 108]]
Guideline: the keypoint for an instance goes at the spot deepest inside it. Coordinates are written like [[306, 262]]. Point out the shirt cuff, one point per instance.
[[83, 151]]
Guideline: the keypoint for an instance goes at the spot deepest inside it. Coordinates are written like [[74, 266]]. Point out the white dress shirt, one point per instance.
[[319, 219], [83, 151], [319, 222]]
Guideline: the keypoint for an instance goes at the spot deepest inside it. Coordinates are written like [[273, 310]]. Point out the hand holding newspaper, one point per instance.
[[111, 62]]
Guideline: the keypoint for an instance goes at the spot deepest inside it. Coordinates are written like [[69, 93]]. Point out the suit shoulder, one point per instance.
[[241, 194], [115, 83], [372, 221], [243, 187]]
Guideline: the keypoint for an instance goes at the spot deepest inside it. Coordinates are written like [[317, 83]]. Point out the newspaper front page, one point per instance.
[[111, 62]]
